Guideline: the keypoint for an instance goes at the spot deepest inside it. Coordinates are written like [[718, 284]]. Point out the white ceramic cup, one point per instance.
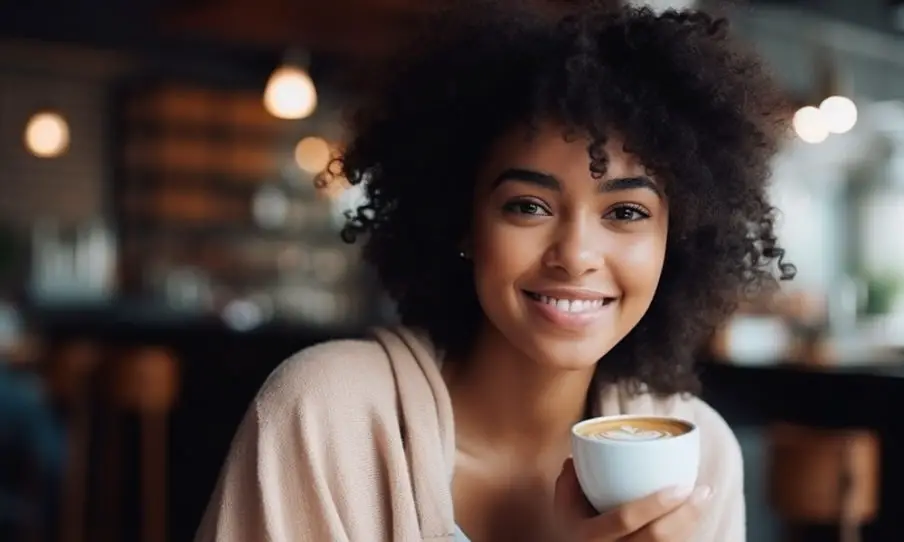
[[613, 472]]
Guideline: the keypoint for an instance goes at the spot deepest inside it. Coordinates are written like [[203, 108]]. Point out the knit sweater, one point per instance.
[[353, 440]]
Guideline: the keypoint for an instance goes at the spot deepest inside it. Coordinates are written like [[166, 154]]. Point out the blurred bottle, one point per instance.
[[81, 268]]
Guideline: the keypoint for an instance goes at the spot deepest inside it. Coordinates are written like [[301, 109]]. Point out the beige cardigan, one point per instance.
[[353, 441]]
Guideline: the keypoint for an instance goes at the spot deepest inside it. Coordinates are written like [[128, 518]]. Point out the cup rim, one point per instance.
[[588, 421]]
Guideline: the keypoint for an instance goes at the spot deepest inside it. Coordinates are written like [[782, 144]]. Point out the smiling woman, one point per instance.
[[563, 203], [680, 101]]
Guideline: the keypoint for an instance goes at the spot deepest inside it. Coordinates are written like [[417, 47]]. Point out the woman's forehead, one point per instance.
[[553, 148]]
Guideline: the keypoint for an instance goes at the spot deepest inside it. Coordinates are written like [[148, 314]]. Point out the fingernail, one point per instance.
[[702, 494], [678, 493]]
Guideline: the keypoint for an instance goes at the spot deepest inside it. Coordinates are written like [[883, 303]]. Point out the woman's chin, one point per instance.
[[553, 352], [573, 365], [567, 358]]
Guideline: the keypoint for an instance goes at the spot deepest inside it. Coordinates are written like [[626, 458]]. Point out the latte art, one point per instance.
[[635, 429], [629, 432]]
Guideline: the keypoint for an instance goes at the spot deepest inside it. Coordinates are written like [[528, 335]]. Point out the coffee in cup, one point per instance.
[[619, 459], [635, 429]]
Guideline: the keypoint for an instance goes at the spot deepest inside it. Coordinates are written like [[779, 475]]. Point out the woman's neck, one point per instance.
[[505, 399]]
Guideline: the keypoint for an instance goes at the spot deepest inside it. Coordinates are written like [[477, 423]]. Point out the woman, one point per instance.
[[564, 203]]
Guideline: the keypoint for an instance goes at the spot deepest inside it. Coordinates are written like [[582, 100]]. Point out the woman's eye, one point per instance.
[[526, 208], [627, 213]]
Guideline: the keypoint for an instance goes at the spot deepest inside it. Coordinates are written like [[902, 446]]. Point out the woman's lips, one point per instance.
[[571, 311]]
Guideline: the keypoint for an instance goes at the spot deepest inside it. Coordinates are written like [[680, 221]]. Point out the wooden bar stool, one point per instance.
[[146, 382], [824, 477], [70, 375]]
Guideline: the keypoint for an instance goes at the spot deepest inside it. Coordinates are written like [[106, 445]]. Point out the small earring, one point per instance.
[[462, 255]]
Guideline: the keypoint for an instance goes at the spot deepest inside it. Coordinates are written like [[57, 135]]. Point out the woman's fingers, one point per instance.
[[678, 525], [570, 502]]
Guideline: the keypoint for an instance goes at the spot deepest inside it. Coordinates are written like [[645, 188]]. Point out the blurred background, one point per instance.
[[167, 237]]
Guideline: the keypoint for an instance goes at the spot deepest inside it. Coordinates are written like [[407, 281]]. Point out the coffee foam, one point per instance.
[[631, 433], [634, 430]]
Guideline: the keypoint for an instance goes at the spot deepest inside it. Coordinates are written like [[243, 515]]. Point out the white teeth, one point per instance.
[[572, 305]]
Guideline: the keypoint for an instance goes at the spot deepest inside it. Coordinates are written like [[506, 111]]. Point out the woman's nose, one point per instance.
[[577, 250]]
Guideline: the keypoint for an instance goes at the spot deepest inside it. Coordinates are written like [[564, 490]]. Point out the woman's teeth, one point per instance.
[[571, 305]]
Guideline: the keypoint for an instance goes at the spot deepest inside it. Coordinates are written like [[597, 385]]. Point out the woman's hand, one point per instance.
[[667, 516]]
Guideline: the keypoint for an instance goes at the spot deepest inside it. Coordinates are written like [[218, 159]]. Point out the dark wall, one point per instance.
[[873, 14]]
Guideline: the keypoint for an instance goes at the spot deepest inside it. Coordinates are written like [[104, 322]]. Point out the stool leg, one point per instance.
[[147, 383], [70, 381], [75, 492], [107, 520], [850, 528], [154, 451]]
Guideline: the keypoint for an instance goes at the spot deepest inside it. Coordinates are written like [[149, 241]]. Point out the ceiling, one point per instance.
[[356, 27]]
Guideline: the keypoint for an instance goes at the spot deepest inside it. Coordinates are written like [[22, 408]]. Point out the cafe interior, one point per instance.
[[168, 236]]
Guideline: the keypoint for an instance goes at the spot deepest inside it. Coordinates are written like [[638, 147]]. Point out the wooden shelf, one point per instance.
[[191, 164]]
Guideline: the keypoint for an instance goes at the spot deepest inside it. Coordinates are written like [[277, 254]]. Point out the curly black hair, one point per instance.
[[698, 110]]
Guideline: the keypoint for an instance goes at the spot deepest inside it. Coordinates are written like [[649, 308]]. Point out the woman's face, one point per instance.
[[565, 264]]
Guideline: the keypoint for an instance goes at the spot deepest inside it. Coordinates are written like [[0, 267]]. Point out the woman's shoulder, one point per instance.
[[348, 375], [720, 446]]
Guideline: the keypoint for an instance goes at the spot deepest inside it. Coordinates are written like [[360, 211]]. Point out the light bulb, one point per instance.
[[290, 93], [312, 154], [840, 114], [47, 135], [810, 125]]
